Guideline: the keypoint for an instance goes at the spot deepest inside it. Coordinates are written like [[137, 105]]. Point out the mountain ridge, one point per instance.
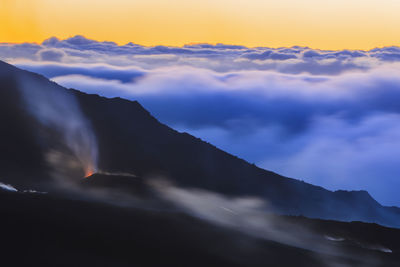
[[131, 140]]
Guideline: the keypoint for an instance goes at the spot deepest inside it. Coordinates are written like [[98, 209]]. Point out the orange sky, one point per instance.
[[325, 24]]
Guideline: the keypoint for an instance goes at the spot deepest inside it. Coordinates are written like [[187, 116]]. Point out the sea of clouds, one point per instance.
[[331, 118]]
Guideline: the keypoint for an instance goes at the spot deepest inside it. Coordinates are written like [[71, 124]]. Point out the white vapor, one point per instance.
[[59, 111], [8, 187]]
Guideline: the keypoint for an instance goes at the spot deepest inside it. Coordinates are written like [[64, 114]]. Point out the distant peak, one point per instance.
[[358, 194]]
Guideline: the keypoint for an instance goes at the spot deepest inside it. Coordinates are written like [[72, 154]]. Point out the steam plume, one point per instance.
[[59, 111]]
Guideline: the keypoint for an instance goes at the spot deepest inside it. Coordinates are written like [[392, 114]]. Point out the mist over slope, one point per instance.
[[49, 230]]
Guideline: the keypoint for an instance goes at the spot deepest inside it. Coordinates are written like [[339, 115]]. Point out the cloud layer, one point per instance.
[[219, 57], [328, 117]]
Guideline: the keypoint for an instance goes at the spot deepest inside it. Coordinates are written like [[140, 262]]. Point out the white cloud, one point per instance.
[[328, 117], [218, 57], [8, 187]]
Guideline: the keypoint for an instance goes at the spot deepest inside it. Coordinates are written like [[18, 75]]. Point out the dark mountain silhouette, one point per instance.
[[125, 184], [131, 140]]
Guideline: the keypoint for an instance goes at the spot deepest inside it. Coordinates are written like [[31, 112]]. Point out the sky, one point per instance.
[[327, 24]]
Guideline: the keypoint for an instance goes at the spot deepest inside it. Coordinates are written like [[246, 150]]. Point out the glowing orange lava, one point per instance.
[[89, 172]]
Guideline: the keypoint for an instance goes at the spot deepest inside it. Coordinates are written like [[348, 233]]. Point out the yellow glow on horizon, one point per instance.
[[328, 24]]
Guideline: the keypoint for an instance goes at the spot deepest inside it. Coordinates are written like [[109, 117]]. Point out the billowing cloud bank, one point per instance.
[[331, 118]]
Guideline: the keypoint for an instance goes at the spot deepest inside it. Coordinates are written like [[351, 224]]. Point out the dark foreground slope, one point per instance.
[[131, 140], [46, 230]]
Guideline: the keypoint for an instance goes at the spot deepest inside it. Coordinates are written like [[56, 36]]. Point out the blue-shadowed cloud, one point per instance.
[[51, 55], [328, 117], [124, 75]]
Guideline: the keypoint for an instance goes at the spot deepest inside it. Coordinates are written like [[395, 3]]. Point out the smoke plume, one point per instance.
[[73, 149]]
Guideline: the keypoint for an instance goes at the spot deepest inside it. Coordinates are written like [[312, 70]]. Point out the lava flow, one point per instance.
[[89, 172]]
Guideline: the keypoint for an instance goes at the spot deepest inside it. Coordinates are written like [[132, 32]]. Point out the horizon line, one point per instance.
[[192, 43]]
